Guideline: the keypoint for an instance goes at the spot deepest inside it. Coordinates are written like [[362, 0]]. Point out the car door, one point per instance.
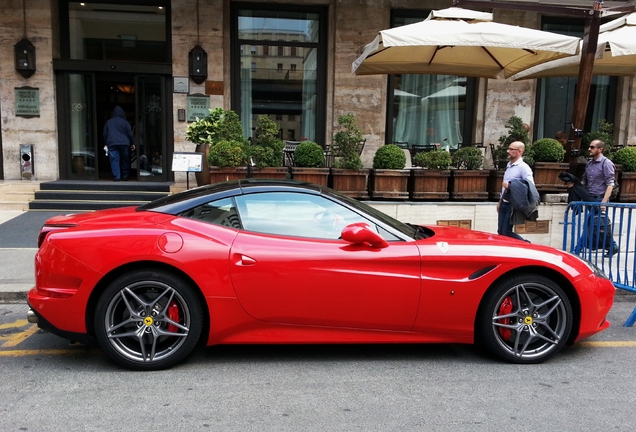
[[288, 266]]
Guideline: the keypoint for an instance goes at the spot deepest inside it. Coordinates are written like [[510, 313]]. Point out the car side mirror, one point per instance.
[[361, 232]]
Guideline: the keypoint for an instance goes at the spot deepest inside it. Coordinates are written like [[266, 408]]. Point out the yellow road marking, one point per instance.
[[609, 344], [20, 353], [15, 339], [15, 324]]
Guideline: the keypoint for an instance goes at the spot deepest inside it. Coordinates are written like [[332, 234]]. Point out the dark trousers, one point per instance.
[[119, 156], [588, 230], [504, 227]]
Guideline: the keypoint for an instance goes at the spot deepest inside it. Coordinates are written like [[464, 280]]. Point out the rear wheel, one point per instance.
[[148, 320], [525, 319]]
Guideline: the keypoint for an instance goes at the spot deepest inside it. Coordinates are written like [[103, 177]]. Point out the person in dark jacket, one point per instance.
[[576, 190], [119, 139]]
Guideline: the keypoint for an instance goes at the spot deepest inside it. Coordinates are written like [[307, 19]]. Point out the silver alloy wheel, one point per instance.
[[147, 321], [530, 320]]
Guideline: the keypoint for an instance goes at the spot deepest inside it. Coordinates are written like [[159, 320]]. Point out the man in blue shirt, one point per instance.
[[599, 179], [119, 138], [516, 169]]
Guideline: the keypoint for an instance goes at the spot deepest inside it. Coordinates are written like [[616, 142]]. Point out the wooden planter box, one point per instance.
[[352, 183], [627, 191], [270, 173], [389, 184], [311, 175], [218, 175], [429, 184], [495, 178], [546, 176], [469, 184]]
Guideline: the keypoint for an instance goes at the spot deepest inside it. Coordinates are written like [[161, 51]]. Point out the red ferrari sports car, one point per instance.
[[283, 262]]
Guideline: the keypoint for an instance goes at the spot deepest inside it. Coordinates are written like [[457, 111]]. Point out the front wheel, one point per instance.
[[525, 319], [148, 320]]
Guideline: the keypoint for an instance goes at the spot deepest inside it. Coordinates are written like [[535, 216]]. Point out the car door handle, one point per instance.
[[244, 260]]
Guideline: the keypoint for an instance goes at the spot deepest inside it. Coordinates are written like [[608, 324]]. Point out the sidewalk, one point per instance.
[[18, 245]]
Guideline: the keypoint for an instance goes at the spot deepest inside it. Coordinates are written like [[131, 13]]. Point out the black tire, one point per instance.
[[524, 319], [148, 320]]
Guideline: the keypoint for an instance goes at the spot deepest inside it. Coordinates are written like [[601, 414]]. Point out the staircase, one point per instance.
[[16, 194], [95, 195]]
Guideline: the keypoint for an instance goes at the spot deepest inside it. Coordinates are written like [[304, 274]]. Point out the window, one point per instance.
[[428, 109], [295, 214], [293, 51], [263, 89], [220, 212], [116, 31], [555, 96], [292, 67]]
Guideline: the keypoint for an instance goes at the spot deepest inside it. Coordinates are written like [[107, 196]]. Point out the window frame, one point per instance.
[[65, 31], [471, 89], [612, 93], [321, 46]]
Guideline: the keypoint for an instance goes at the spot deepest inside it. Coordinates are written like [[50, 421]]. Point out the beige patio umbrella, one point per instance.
[[615, 54], [458, 41]]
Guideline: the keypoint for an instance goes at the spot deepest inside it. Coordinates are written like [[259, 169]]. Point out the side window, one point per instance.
[[220, 212], [295, 214]]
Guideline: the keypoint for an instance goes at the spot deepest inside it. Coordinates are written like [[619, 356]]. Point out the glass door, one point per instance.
[[149, 158], [83, 149]]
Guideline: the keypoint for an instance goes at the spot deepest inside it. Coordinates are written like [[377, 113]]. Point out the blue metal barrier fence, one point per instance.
[[603, 234]]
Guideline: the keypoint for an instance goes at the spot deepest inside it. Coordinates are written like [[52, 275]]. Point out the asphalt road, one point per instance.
[[49, 385]]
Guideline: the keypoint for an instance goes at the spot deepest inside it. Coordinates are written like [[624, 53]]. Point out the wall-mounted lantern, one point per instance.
[[198, 61], [24, 52]]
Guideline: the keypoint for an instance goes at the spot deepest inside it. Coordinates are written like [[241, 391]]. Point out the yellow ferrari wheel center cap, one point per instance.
[[148, 321], [527, 320]]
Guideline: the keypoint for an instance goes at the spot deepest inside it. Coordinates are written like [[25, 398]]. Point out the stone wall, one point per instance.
[[39, 131], [210, 37]]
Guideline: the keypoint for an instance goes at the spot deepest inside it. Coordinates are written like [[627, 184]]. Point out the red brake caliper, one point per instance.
[[173, 314], [504, 309]]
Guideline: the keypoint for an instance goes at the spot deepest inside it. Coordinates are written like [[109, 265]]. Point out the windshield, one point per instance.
[[409, 230]]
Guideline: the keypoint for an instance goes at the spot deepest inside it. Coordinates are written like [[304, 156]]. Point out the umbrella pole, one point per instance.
[[584, 83]]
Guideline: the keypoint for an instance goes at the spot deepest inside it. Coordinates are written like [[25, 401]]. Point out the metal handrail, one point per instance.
[[591, 229]]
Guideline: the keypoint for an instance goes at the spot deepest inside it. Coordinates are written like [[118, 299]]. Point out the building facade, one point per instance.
[[288, 60]]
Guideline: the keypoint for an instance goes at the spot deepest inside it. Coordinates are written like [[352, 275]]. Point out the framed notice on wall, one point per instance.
[[198, 106], [187, 162], [27, 101]]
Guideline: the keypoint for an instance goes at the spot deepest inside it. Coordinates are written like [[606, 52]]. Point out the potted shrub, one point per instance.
[[219, 125], [227, 160], [389, 179], [546, 157], [309, 162], [516, 132], [468, 180], [348, 174], [626, 157], [266, 151], [432, 181]]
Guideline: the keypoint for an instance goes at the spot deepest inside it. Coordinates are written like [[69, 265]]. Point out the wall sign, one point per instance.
[[181, 85], [198, 106], [214, 87], [27, 101]]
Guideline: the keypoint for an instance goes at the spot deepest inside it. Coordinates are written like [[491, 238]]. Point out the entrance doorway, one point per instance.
[[92, 98]]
